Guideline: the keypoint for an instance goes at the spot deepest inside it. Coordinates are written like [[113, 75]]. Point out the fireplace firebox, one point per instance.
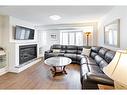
[[27, 53]]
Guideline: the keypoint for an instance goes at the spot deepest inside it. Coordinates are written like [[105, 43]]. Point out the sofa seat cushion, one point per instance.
[[90, 61], [94, 69], [83, 60], [87, 60], [80, 57], [100, 78], [72, 56], [62, 51], [55, 54], [102, 64]]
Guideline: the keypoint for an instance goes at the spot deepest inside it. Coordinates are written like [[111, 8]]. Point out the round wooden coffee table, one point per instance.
[[58, 64]]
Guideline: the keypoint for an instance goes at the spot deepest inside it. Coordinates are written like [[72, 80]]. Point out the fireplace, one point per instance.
[[27, 53]]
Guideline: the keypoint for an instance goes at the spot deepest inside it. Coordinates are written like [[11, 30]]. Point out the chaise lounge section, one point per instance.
[[91, 67]]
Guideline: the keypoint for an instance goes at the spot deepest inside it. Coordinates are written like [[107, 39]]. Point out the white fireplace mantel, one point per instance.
[[14, 58]]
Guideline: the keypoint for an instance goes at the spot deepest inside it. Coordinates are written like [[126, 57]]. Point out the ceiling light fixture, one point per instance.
[[54, 17]]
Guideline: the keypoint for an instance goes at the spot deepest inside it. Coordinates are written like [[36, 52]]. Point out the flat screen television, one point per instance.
[[23, 33]]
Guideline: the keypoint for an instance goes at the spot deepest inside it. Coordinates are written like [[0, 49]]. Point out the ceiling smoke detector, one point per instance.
[[54, 17]]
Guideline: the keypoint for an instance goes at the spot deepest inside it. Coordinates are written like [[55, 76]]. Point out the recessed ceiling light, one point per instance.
[[55, 17]]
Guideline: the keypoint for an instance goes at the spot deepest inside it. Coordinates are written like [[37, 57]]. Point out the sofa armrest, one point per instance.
[[100, 78], [48, 51], [46, 54], [88, 84]]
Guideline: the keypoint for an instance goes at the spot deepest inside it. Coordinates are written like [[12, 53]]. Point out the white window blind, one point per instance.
[[71, 38], [79, 38], [65, 38]]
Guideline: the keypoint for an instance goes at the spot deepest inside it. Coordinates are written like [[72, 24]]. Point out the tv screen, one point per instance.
[[23, 33]]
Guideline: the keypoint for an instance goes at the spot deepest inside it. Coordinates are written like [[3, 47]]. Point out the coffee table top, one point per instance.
[[58, 61]]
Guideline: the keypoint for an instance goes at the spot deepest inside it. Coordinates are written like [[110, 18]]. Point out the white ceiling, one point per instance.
[[69, 14]]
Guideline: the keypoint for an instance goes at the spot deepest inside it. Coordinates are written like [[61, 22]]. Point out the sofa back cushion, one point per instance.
[[67, 48], [95, 49], [98, 59], [71, 49], [63, 48], [102, 56], [102, 64], [93, 54], [56, 46], [109, 56], [102, 52], [79, 49]]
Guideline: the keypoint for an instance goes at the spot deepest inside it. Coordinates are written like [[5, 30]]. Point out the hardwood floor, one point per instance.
[[39, 76]]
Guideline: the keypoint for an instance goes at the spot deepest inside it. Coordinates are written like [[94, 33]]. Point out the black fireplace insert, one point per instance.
[[27, 53]]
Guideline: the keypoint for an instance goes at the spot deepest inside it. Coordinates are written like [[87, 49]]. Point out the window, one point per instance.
[[71, 37], [76, 37], [65, 38], [79, 38]]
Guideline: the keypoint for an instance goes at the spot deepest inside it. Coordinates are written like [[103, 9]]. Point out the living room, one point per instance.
[[70, 39]]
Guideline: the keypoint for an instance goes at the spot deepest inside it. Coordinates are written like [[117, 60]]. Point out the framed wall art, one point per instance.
[[53, 37]]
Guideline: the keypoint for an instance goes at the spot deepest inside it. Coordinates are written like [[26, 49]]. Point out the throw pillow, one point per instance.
[[86, 51], [56, 50]]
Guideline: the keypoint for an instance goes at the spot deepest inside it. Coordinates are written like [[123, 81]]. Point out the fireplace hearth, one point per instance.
[[27, 53]]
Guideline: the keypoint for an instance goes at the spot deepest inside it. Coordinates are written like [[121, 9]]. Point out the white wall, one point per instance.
[[45, 41], [3, 30], [0, 29], [117, 12], [51, 41], [42, 42]]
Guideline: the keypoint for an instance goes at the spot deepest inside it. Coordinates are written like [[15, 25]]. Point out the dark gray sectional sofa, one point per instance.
[[91, 67], [71, 51]]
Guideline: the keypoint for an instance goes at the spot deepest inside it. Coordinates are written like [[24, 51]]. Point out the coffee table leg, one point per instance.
[[53, 71], [64, 70]]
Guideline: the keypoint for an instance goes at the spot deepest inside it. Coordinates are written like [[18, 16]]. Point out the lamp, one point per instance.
[[87, 37], [117, 68]]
